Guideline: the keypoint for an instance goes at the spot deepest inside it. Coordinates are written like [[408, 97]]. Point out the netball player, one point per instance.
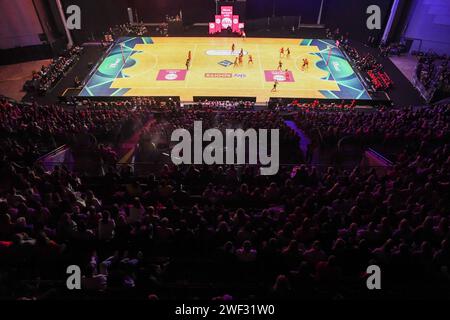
[[275, 85], [280, 65]]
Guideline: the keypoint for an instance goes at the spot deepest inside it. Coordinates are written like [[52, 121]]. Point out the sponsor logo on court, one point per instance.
[[280, 76], [115, 64], [336, 66], [225, 63], [225, 75], [218, 75], [171, 75]]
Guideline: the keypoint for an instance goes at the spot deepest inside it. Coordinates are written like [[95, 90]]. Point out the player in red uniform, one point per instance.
[[305, 64], [250, 59], [281, 52], [287, 76]]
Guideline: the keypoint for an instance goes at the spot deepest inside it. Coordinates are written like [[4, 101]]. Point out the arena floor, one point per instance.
[[157, 67]]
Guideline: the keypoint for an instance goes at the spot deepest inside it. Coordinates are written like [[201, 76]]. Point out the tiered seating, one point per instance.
[[48, 76], [225, 230], [369, 64]]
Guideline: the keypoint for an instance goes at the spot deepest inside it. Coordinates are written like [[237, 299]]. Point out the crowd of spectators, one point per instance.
[[383, 126], [126, 30], [369, 65], [31, 130], [176, 18], [393, 49], [46, 78], [433, 72], [225, 231], [363, 62], [264, 119], [295, 105], [336, 35], [156, 139], [223, 105]]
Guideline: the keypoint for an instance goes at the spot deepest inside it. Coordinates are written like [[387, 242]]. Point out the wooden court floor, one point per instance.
[[159, 69]]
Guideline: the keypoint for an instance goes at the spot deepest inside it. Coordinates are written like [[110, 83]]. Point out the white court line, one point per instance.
[[215, 88], [260, 67], [328, 67], [222, 88], [149, 70], [123, 65], [305, 73]]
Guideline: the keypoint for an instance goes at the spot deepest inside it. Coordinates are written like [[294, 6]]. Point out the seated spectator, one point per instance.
[[106, 227], [246, 253], [315, 254]]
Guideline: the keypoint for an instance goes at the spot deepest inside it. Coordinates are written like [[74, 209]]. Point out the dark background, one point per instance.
[[350, 15], [97, 16]]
